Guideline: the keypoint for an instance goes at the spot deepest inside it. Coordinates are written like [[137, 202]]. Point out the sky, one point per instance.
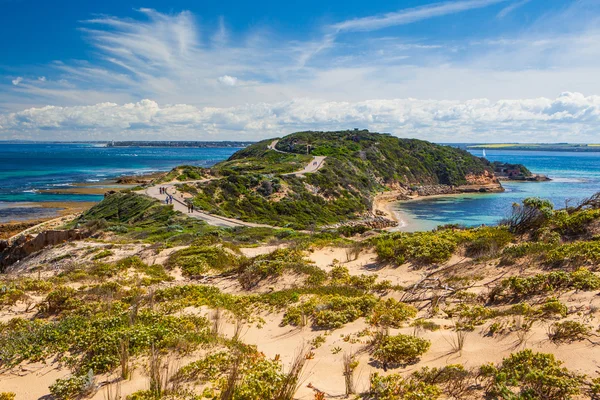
[[454, 71]]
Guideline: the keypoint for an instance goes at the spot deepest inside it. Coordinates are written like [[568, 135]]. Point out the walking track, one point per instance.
[[179, 203]]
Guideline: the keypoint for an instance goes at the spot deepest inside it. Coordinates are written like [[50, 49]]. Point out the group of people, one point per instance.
[[190, 206], [169, 198]]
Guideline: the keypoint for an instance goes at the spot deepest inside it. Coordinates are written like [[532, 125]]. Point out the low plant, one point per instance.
[[453, 379], [392, 313], [73, 386], [529, 375], [394, 386], [399, 349], [568, 331]]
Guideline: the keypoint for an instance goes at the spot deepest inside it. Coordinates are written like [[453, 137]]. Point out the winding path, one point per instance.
[[179, 203]]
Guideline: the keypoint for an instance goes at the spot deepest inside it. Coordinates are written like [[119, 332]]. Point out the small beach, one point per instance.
[[575, 176]]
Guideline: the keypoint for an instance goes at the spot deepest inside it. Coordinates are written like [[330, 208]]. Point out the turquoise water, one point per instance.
[[25, 169], [575, 176]]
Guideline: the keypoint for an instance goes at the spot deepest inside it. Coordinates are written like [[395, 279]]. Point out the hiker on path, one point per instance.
[[192, 207]]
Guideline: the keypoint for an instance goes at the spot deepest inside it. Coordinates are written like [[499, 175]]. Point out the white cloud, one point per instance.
[[42, 78], [358, 79], [227, 80], [411, 15], [570, 117], [512, 7], [17, 80]]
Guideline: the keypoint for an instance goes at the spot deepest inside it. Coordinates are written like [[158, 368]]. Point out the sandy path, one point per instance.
[[179, 203]]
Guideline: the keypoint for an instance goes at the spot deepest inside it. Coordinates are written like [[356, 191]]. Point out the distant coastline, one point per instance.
[[177, 143], [577, 147]]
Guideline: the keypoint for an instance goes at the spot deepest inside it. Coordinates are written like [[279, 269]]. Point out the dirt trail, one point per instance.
[[179, 199]]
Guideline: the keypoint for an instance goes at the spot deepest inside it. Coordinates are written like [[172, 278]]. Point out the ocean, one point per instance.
[[575, 176], [26, 169]]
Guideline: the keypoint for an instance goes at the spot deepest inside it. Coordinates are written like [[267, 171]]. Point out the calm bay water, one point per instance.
[[575, 176], [25, 169]]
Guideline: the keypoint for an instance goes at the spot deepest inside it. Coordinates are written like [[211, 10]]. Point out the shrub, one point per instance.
[[487, 241], [392, 313], [61, 299], [209, 368], [568, 331], [271, 265], [531, 215], [517, 287], [529, 375], [330, 311], [419, 247], [399, 349], [73, 386], [553, 307], [576, 253], [198, 260], [454, 379], [394, 386], [102, 254], [7, 396]]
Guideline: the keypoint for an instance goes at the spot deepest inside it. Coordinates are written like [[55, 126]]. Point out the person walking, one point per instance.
[[192, 207]]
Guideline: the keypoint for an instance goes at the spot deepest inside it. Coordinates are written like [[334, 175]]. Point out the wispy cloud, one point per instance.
[[202, 81], [512, 7], [17, 80], [411, 15]]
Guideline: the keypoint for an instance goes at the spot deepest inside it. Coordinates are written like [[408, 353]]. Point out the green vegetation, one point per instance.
[[392, 313], [529, 375], [399, 349], [273, 265], [185, 173], [394, 386], [329, 311], [516, 287], [199, 260], [252, 186], [438, 246]]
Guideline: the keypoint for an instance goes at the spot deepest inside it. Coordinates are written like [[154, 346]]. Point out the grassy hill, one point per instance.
[[253, 184]]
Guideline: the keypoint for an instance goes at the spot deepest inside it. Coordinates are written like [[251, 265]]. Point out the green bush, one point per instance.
[[73, 386], [454, 379], [568, 331], [529, 375], [392, 313], [553, 307], [272, 265], [63, 298], [329, 311], [394, 387], [486, 241], [577, 253], [199, 260], [399, 349], [517, 287]]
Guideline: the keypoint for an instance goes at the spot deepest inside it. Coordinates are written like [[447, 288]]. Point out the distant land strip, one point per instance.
[[176, 143], [537, 146]]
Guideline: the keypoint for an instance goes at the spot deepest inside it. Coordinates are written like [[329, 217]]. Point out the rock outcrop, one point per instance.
[[26, 245]]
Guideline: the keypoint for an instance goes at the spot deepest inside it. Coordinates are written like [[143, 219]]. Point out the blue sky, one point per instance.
[[455, 71]]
